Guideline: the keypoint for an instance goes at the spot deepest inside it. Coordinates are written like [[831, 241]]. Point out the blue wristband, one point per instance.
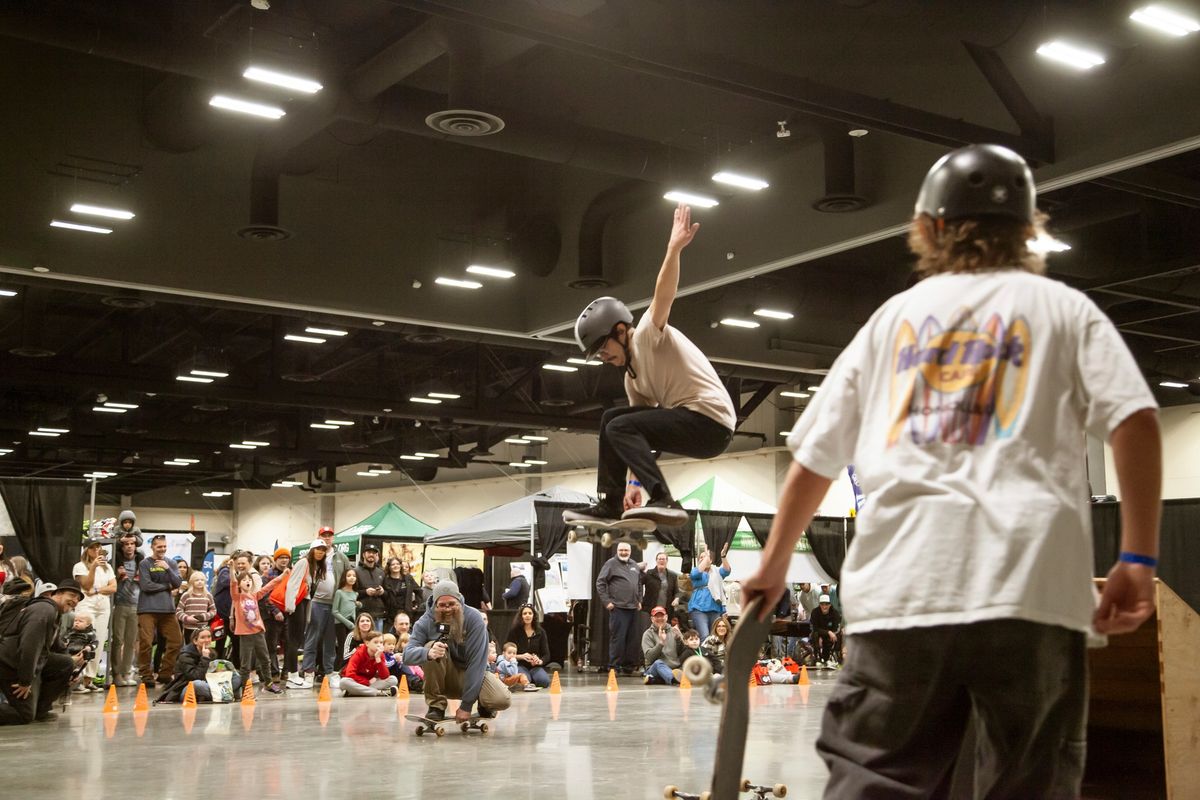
[[636, 483], [1134, 558]]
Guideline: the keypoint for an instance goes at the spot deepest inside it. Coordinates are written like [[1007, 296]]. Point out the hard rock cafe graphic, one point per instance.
[[959, 383]]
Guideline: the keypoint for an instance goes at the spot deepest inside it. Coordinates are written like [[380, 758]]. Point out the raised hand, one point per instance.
[[683, 230]]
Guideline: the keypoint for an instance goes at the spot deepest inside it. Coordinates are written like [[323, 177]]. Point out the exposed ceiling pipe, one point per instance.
[[397, 61], [840, 192], [595, 220]]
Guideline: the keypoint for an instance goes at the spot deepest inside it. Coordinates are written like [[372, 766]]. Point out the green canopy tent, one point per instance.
[[717, 494], [389, 523]]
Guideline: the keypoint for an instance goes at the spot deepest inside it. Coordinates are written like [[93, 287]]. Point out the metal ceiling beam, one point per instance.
[[1155, 183], [1032, 123], [566, 32]]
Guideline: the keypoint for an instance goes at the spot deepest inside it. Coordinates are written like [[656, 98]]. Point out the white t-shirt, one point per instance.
[[673, 373], [962, 404], [94, 601]]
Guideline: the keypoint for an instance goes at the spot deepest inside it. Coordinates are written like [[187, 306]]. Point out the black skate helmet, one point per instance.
[[596, 323], [977, 181]]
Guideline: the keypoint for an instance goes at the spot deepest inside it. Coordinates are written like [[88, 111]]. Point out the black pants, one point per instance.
[[825, 648], [622, 639], [296, 623], [47, 687], [276, 639], [627, 435]]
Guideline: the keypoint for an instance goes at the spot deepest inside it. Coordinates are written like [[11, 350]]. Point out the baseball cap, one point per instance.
[[370, 546], [823, 599], [324, 529], [318, 543], [658, 610]]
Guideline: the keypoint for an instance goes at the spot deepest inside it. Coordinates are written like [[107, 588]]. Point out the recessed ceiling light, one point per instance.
[[1173, 384], [255, 444], [7, 293], [516, 441], [519, 464], [585, 362], [53, 430], [532, 438], [457, 283], [430, 401], [101, 211], [295, 337], [1070, 54], [323, 426], [75, 226], [325, 331], [243, 446], [1165, 20], [282, 79], [560, 368], [699, 200], [426, 455], [42, 433], [125, 406], [246, 107], [491, 272], [739, 323], [407, 457], [193, 379], [445, 395], [107, 410], [741, 181], [800, 395], [339, 423], [537, 462], [378, 323]]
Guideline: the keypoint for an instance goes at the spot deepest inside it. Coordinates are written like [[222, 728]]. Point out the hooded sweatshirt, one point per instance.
[[25, 648], [155, 584], [469, 655], [619, 583]]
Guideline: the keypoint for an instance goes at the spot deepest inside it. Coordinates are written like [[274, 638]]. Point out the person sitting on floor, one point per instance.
[[662, 649], [414, 676], [192, 667], [508, 669], [713, 647], [533, 647], [366, 674]]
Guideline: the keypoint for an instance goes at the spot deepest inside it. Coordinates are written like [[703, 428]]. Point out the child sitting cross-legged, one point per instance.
[[415, 676], [508, 671], [366, 674]]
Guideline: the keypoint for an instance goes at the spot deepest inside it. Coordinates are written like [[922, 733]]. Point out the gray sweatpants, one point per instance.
[[895, 723], [352, 688]]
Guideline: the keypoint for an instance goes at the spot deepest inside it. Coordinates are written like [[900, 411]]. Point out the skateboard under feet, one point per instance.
[[732, 691], [610, 532], [438, 726]]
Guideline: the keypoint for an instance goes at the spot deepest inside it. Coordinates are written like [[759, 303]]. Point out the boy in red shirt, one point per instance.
[[366, 674]]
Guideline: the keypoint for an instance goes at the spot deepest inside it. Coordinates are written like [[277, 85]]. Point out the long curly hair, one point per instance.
[[974, 245]]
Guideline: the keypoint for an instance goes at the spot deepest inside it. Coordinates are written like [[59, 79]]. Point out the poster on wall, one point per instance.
[[179, 545], [403, 551]]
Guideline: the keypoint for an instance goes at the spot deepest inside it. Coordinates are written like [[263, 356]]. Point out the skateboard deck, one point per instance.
[[437, 726], [732, 691], [609, 532]]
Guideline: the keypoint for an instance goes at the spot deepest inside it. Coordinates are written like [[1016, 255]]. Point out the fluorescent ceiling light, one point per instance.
[[282, 79], [99, 475], [537, 462], [53, 430], [101, 211], [339, 423], [188, 460], [785, 433], [444, 395], [126, 406], [739, 323], [380, 471], [206, 373], [5, 451], [426, 455], [1071, 55], [814, 388], [367, 474], [699, 200], [246, 107], [42, 433], [175, 463], [429, 401], [532, 438], [107, 410], [769, 314], [74, 226], [491, 272], [515, 441], [7, 293], [325, 426], [585, 362], [560, 368], [1173, 384], [217, 494], [519, 464], [407, 457], [741, 181], [800, 395], [255, 444], [287, 483], [1165, 20], [192, 379], [457, 283], [1045, 243], [325, 331], [295, 337], [243, 446]]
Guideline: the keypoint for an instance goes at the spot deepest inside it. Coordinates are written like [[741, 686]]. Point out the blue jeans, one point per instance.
[[703, 621], [661, 672], [319, 636], [536, 675], [379, 625], [204, 693]]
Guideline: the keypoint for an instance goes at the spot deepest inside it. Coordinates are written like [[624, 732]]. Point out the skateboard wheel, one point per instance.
[[483, 728], [746, 785], [779, 790], [606, 540], [572, 536], [420, 731], [440, 733], [464, 727], [669, 792], [698, 670]]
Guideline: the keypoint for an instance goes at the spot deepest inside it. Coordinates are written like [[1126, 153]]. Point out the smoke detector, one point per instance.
[[465, 122]]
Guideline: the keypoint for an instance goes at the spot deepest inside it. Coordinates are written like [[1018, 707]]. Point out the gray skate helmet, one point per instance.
[[597, 321], [976, 181]]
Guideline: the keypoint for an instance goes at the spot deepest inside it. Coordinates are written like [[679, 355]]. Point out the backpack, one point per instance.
[[10, 613]]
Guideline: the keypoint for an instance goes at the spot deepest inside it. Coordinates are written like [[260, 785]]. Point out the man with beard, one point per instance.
[[370, 585], [451, 642]]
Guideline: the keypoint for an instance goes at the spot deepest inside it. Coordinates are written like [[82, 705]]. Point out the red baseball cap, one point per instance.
[[658, 610]]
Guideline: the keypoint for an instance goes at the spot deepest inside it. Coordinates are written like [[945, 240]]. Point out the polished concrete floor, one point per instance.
[[585, 743]]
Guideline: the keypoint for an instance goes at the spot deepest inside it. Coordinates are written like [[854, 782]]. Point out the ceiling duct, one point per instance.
[[840, 194], [33, 328], [595, 220], [264, 209], [465, 117]]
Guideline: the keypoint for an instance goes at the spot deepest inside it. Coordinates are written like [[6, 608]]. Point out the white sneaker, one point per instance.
[[81, 689], [335, 681], [307, 683], [532, 687], [295, 682]]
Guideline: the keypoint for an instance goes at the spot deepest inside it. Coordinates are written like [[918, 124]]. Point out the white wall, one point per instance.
[[212, 521], [1181, 453], [288, 516]]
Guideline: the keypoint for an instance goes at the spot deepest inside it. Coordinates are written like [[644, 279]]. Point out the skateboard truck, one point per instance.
[[621, 530], [435, 726], [759, 792]]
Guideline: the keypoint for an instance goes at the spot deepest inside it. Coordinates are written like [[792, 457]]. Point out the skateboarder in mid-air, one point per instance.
[[676, 401], [963, 404]]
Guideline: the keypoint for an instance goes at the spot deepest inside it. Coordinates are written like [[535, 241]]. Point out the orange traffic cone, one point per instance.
[[323, 709], [139, 722], [248, 694], [684, 683], [612, 681], [804, 690], [189, 719], [324, 695], [402, 690], [189, 696], [110, 703], [247, 715], [803, 681], [753, 682], [555, 686], [555, 704], [141, 703]]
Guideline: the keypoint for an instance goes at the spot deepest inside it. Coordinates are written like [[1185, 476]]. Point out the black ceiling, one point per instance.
[[345, 211]]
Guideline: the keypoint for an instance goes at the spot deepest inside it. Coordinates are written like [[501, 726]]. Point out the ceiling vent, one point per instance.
[[424, 337], [589, 283], [32, 351], [840, 203], [128, 302], [465, 122], [264, 233]]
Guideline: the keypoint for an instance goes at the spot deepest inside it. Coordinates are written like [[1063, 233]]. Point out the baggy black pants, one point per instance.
[[627, 435], [48, 686]]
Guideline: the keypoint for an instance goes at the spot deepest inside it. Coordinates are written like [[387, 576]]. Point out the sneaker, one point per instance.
[[663, 511], [126, 682], [486, 713], [46, 716], [388, 692], [306, 682], [275, 688], [532, 687], [435, 714], [604, 511], [649, 679], [82, 688]]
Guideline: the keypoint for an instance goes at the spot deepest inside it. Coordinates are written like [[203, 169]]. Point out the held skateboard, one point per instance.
[[759, 792], [437, 726], [732, 691], [609, 532]]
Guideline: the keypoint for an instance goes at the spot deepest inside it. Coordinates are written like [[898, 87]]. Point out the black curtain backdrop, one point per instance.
[[47, 518], [718, 528], [597, 614], [829, 540], [1106, 536], [760, 526], [682, 538], [550, 536], [1179, 544]]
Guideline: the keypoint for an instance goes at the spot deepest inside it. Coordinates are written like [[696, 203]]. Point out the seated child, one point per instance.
[[691, 645], [508, 671], [365, 673], [396, 666], [81, 638]]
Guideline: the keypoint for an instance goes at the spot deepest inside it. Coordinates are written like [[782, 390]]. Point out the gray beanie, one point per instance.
[[443, 588]]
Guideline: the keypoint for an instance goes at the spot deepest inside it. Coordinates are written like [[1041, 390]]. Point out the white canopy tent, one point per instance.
[[510, 524]]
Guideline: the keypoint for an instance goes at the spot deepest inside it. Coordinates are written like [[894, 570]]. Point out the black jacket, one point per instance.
[[397, 595], [371, 578], [829, 620], [517, 593], [538, 644], [650, 587], [471, 586], [190, 666], [25, 648]]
